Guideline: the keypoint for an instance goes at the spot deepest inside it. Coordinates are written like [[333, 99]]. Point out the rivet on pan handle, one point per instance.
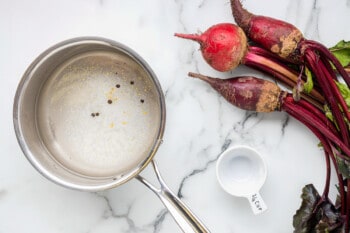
[[183, 216]]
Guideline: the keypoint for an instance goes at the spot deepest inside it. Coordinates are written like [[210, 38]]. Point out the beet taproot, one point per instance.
[[246, 92]]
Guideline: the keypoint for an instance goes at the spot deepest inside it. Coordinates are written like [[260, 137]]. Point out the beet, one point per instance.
[[279, 37], [223, 45], [246, 92]]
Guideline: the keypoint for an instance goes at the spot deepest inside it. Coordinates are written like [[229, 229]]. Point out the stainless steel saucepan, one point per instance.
[[89, 114]]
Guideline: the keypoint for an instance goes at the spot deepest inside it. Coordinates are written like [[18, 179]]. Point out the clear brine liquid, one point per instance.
[[98, 115]]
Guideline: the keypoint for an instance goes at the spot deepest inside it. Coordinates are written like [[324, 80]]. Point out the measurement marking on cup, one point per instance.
[[256, 202]]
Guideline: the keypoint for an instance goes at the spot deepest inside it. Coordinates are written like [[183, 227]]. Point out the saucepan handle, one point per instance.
[[184, 217]]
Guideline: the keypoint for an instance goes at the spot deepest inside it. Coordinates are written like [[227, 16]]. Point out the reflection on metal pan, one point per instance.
[[89, 114]]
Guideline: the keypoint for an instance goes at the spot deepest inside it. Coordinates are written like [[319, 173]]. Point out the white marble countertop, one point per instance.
[[200, 124]]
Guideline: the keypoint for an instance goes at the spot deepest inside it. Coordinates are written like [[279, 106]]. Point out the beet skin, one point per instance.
[[223, 45], [279, 37], [248, 93]]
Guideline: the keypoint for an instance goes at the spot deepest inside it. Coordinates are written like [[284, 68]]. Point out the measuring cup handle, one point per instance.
[[187, 221], [257, 203]]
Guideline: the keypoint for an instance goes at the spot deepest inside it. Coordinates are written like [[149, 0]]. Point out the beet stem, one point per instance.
[[330, 90], [333, 151], [348, 207], [283, 73], [328, 176], [327, 151], [329, 148], [321, 116], [335, 89], [326, 53], [300, 113]]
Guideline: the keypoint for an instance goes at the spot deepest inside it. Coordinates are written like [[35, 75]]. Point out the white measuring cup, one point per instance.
[[241, 172]]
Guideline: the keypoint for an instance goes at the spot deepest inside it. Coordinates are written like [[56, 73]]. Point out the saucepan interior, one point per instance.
[[89, 114]]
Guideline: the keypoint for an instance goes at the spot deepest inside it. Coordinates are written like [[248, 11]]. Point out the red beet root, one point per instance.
[[279, 37], [223, 45], [248, 93]]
